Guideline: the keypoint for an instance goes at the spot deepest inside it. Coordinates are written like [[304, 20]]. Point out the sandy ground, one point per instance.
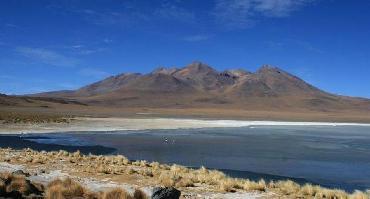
[[116, 124]]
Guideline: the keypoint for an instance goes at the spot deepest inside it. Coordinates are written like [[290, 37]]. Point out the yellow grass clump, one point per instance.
[[185, 182], [254, 186], [18, 184], [287, 187], [139, 194], [331, 194], [359, 195], [116, 194], [309, 190], [167, 180], [64, 189], [228, 185]]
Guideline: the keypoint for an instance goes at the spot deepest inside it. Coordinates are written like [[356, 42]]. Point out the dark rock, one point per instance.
[[166, 193], [14, 195], [2, 187], [23, 187], [21, 173]]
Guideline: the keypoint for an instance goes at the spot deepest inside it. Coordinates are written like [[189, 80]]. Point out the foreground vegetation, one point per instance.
[[171, 175], [17, 186]]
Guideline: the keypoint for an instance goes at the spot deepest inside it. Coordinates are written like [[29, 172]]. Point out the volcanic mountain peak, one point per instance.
[[237, 72], [270, 69], [196, 68], [164, 70]]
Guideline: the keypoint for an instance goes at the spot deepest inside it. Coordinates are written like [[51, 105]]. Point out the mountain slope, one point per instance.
[[199, 85], [26, 101]]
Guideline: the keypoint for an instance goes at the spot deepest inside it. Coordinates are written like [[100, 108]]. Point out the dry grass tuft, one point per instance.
[[185, 182], [167, 180], [359, 195], [121, 160], [67, 188], [38, 160], [19, 185], [116, 194], [139, 194], [309, 190], [254, 186], [5, 175], [155, 165], [104, 169], [331, 194], [227, 186], [92, 195], [288, 187], [131, 171]]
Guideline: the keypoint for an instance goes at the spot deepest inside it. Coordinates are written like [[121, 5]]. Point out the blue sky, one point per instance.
[[55, 45]]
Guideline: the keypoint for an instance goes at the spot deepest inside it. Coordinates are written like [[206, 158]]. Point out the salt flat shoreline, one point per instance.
[[82, 124]]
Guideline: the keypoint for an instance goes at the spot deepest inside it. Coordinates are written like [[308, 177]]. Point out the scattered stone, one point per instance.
[[166, 193], [21, 173]]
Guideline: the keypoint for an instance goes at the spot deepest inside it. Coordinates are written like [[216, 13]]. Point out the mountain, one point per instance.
[[198, 85]]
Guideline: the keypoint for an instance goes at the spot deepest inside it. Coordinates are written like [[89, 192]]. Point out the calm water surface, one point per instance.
[[330, 156]]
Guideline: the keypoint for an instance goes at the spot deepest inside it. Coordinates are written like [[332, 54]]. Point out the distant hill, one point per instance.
[[199, 85], [33, 101]]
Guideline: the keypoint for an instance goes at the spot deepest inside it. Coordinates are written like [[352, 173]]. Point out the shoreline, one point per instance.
[[96, 171], [18, 143], [81, 124], [102, 173]]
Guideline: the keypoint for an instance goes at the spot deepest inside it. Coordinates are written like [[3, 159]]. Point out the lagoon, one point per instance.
[[332, 156]]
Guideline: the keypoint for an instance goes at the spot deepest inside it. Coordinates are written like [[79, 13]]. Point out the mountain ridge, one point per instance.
[[200, 85]]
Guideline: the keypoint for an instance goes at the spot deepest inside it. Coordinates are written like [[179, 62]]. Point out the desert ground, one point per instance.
[[236, 113]]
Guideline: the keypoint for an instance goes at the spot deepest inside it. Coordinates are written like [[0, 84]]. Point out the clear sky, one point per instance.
[[54, 45]]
